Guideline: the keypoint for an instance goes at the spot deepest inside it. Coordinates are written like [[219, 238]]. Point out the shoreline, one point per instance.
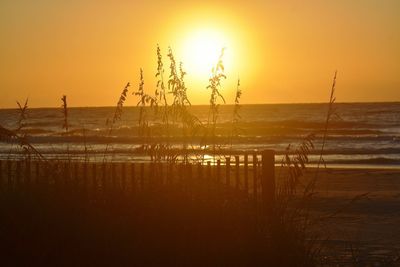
[[368, 201], [97, 157], [371, 167]]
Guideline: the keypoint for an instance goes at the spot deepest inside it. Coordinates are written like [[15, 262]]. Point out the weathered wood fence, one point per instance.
[[252, 175]]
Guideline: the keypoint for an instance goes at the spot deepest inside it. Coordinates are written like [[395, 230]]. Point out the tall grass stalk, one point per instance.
[[236, 114], [11, 136], [331, 112], [65, 126], [144, 100], [217, 75], [161, 90], [180, 103], [116, 117], [22, 115], [161, 93], [64, 107], [292, 210]]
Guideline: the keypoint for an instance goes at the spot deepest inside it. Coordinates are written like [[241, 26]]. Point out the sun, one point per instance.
[[201, 50]]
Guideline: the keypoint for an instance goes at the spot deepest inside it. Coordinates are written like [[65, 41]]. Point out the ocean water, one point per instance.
[[366, 134]]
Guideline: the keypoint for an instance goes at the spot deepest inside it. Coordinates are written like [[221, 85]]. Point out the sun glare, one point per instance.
[[201, 50]]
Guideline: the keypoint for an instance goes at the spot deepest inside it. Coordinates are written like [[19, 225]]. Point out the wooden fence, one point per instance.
[[252, 175]]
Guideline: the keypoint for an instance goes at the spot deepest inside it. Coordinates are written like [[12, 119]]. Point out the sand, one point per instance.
[[366, 226]]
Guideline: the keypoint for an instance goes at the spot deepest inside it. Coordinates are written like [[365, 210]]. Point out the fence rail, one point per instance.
[[252, 175]]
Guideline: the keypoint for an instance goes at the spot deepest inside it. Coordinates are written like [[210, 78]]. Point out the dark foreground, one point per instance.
[[162, 228], [171, 226]]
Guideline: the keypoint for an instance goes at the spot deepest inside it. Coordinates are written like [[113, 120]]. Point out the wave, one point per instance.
[[255, 133], [371, 161], [126, 154], [353, 141], [125, 145], [42, 123], [36, 131]]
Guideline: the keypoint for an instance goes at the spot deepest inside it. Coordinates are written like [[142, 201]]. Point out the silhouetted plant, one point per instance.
[[144, 100], [22, 118], [22, 115], [296, 160], [117, 115], [177, 88], [65, 113], [161, 150], [292, 211], [331, 113], [120, 104], [160, 92], [10, 136], [235, 130], [176, 84], [217, 75]]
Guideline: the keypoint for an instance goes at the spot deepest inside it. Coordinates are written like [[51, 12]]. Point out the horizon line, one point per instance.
[[251, 104]]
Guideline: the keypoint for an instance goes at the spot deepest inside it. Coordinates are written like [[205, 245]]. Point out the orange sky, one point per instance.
[[282, 52]]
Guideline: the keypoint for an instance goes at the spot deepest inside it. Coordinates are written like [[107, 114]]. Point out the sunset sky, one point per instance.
[[283, 51]]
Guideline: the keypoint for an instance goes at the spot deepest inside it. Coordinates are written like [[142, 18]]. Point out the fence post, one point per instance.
[[65, 174], [141, 176], [1, 174], [9, 174], [85, 176], [237, 172], [47, 170], [123, 176], [94, 176], [18, 174], [188, 180], [160, 174], [55, 173], [200, 172], [255, 161], [170, 174], [200, 181], [104, 178], [27, 172], [208, 176], [228, 171], [113, 176], [76, 174], [246, 173], [151, 178], [133, 180], [268, 179], [37, 174], [218, 180], [181, 173]]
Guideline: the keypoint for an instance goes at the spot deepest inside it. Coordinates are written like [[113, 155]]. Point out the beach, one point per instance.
[[360, 211]]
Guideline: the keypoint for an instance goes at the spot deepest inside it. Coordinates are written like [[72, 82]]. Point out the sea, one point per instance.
[[363, 135]]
